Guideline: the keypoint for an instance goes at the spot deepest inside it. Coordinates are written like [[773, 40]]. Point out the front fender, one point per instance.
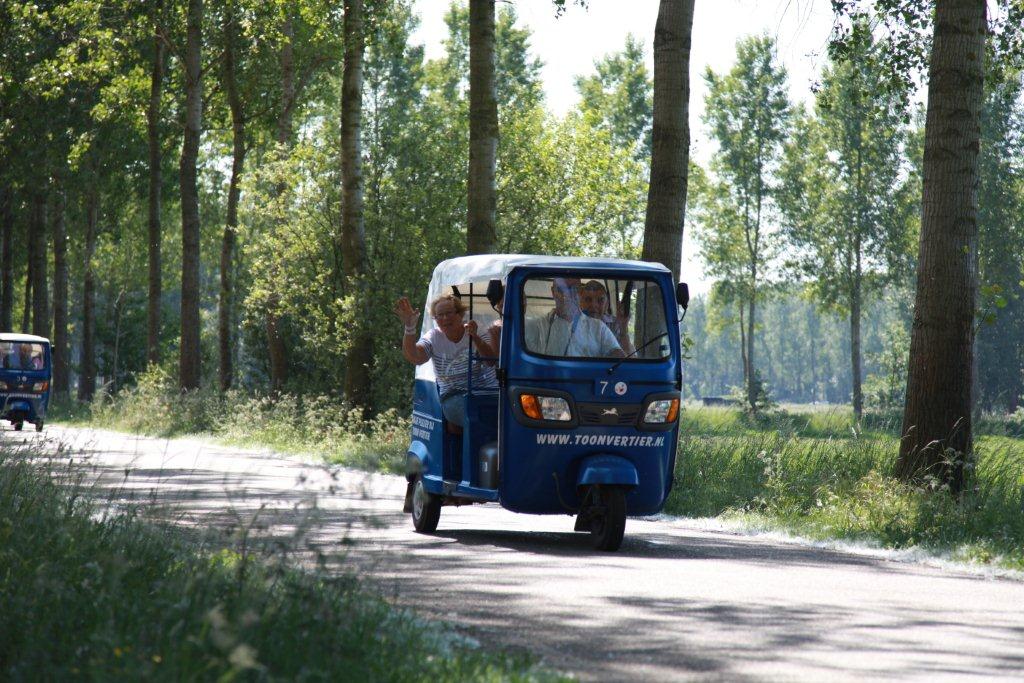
[[610, 470], [417, 460]]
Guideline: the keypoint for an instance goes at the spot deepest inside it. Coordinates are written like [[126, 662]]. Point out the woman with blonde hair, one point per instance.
[[447, 345]]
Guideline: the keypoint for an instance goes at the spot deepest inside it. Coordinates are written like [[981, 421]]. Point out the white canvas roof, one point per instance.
[[18, 338], [483, 267]]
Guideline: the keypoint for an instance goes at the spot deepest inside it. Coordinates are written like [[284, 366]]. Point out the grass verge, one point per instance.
[[90, 591], [818, 476]]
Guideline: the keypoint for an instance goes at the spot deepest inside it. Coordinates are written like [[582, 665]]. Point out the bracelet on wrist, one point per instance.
[[410, 329]]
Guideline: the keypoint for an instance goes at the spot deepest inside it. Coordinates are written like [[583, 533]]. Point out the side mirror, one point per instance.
[[683, 295], [495, 292]]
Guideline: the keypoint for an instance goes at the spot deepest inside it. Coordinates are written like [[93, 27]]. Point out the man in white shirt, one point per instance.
[[566, 331]]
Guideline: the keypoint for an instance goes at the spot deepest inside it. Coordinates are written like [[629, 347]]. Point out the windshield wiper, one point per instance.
[[636, 351]]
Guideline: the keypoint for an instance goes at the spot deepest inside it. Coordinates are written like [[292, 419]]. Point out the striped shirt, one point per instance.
[[451, 361]]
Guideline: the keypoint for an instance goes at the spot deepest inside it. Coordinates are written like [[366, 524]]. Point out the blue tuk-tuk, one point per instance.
[[585, 417], [25, 377]]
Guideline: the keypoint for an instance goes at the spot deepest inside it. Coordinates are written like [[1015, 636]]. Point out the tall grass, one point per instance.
[[94, 593], [819, 475], [291, 423]]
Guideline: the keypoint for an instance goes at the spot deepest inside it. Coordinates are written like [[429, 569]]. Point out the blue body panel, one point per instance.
[[18, 403], [543, 470]]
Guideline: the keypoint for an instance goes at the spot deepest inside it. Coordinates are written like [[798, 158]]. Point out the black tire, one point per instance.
[[426, 508], [607, 529], [18, 426], [39, 426]]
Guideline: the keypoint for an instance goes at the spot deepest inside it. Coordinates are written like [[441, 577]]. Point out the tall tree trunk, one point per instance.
[[189, 359], [40, 294], [225, 309], [752, 383], [87, 379], [670, 137], [26, 311], [481, 235], [937, 414], [7, 261], [353, 236], [743, 345], [855, 352], [154, 232], [856, 306], [60, 350], [276, 351]]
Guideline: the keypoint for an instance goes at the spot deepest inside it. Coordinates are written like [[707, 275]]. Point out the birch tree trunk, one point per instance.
[[189, 358], [154, 231], [937, 414], [481, 235], [353, 236], [670, 141]]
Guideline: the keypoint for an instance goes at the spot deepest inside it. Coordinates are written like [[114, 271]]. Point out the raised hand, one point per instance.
[[471, 328], [405, 312]]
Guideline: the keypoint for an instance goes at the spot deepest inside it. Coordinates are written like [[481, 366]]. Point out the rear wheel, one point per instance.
[[18, 426], [426, 508], [39, 426], [608, 523]]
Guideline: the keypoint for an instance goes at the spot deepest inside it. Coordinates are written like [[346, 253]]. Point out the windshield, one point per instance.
[[594, 317], [23, 356]]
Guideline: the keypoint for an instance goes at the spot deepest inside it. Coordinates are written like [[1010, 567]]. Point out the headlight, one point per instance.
[[662, 411], [549, 408], [40, 386], [3, 386]]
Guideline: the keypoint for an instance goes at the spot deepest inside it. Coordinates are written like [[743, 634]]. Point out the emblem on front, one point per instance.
[[620, 388]]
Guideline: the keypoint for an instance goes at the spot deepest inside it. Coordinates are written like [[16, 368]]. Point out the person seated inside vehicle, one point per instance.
[[447, 345], [567, 331], [595, 303], [25, 359]]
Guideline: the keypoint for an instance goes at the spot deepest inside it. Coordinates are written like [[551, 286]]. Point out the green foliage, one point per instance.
[[620, 97], [1000, 333], [90, 591], [885, 389], [846, 199], [747, 113]]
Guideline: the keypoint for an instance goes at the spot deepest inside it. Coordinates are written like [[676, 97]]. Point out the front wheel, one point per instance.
[[39, 426], [426, 508], [18, 426], [608, 524]]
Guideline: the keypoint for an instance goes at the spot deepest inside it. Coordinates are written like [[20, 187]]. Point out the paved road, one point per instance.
[[675, 603]]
